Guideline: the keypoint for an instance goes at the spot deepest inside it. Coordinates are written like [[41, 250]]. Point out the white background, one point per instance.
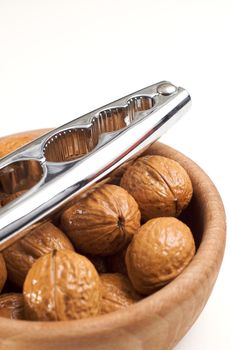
[[60, 59]]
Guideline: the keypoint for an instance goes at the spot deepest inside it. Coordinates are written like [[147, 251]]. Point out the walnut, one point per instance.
[[3, 272], [160, 186], [10, 143], [42, 239], [104, 222], [12, 306], [115, 175], [3, 197], [62, 285], [159, 252], [10, 197], [117, 292]]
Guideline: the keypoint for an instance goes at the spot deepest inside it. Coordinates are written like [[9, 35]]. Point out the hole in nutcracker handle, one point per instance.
[[74, 143], [17, 178]]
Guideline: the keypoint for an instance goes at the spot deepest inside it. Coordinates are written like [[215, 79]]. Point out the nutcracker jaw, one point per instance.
[[68, 160]]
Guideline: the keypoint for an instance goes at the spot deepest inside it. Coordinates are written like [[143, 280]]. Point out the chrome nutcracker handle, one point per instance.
[[76, 155]]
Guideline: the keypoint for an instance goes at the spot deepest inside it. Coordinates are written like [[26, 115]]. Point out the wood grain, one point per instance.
[[159, 321]]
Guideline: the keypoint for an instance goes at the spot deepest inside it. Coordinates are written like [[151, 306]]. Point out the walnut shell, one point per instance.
[[3, 272], [160, 186], [102, 223], [116, 175], [10, 143], [159, 252], [3, 196], [10, 197], [62, 285], [42, 239], [117, 292], [12, 306]]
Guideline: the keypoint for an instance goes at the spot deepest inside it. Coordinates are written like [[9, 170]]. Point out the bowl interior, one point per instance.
[[192, 216], [160, 320]]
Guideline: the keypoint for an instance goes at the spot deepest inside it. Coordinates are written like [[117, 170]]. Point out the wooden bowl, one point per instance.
[[160, 320]]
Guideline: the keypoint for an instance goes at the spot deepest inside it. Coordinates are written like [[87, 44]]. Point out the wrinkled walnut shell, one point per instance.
[[117, 292], [160, 186], [10, 143], [104, 222], [62, 285], [159, 252], [3, 272], [9, 198], [12, 306], [21, 255], [3, 196]]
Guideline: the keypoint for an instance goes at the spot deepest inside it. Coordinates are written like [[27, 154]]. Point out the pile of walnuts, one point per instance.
[[106, 251]]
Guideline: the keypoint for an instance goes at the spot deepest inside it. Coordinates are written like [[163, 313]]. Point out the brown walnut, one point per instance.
[[117, 292], [12, 306], [10, 197], [10, 143], [104, 222], [159, 252], [3, 272], [160, 186], [62, 285], [42, 239], [3, 197]]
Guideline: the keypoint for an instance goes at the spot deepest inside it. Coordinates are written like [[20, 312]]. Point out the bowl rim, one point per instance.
[[211, 251]]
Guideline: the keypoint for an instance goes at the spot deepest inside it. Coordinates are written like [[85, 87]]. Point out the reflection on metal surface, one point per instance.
[[72, 144], [82, 152]]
